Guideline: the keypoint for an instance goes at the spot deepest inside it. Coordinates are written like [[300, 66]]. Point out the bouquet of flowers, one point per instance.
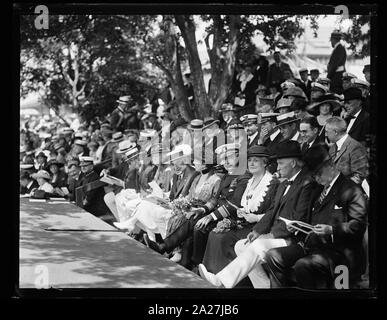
[[179, 206], [225, 225]]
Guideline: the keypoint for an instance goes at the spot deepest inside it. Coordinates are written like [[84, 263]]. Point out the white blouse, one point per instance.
[[47, 187], [253, 197]]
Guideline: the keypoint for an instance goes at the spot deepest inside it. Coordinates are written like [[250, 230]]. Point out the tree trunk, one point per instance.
[[188, 29]]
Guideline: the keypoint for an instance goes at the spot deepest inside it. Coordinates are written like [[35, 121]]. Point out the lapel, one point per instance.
[[342, 150], [294, 187], [278, 199], [357, 122], [331, 195], [186, 174]]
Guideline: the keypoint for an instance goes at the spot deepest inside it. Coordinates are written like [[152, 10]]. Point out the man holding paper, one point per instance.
[[291, 202], [339, 218]]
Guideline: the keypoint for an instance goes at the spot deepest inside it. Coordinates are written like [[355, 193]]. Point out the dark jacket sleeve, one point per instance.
[[355, 203], [227, 208], [300, 210]]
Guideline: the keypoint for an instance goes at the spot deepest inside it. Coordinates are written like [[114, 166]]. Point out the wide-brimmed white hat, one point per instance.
[[41, 174], [124, 146]]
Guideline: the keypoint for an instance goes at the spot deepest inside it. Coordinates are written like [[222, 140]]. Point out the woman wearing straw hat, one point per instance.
[[43, 178], [257, 197], [59, 177]]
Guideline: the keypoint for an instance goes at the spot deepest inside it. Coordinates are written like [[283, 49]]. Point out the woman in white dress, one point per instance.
[[43, 178]]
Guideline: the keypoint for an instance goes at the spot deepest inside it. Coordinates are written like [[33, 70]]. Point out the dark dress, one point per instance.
[[220, 246]]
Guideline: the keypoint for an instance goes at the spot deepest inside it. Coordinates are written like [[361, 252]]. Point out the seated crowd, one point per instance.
[[215, 195]]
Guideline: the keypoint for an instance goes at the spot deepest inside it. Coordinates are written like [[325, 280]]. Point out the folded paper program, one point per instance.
[[298, 225], [112, 180]]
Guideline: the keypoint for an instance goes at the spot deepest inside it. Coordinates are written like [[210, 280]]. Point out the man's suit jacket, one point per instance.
[[94, 198], [318, 141], [254, 142], [360, 127], [271, 147], [294, 205], [345, 209], [337, 59], [182, 187], [25, 190], [351, 160], [276, 74]]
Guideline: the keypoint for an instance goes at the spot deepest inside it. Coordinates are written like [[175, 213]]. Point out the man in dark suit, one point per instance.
[[306, 83], [93, 199], [349, 156], [117, 117], [250, 123], [276, 70], [27, 184], [338, 215], [270, 136], [336, 64], [358, 120], [309, 132], [291, 202]]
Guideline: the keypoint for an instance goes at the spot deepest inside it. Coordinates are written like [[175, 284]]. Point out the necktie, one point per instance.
[[334, 151], [323, 194]]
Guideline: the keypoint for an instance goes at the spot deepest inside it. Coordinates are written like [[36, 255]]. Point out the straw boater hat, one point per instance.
[[179, 152], [26, 165], [227, 148], [348, 76], [133, 152], [80, 142], [227, 107], [196, 125], [301, 70], [41, 174], [117, 137], [148, 133], [124, 146], [268, 116], [324, 81], [124, 99], [286, 118], [235, 124], [320, 87], [358, 83], [249, 118], [85, 161], [287, 84], [330, 98]]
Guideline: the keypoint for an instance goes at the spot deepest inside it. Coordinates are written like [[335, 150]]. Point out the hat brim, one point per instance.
[[258, 155], [194, 129], [336, 105], [287, 155], [210, 124], [286, 122], [58, 164]]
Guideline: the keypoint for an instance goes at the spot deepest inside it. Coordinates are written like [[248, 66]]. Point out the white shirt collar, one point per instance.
[[295, 176], [339, 42], [341, 141], [332, 183], [251, 138], [274, 135], [30, 184], [356, 115]]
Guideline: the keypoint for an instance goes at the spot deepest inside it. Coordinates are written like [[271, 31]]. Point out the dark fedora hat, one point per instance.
[[316, 157], [209, 121], [257, 151], [352, 93], [287, 149]]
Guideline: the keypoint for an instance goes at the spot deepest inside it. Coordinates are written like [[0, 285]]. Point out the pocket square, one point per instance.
[[336, 207]]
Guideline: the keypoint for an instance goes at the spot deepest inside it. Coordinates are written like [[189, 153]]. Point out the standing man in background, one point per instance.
[[336, 64]]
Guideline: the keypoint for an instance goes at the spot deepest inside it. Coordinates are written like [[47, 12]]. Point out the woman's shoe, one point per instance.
[[210, 277], [176, 257]]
